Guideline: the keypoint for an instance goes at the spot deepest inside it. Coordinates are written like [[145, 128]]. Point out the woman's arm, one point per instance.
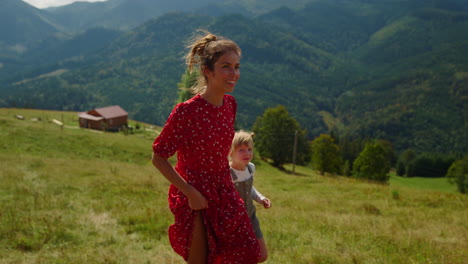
[[196, 200]]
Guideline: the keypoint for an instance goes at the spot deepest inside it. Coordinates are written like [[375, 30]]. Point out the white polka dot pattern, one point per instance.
[[201, 133]]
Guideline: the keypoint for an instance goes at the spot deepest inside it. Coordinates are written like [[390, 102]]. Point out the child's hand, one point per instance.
[[266, 203]]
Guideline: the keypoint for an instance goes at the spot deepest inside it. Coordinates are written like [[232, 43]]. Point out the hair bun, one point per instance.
[[205, 41], [210, 37]]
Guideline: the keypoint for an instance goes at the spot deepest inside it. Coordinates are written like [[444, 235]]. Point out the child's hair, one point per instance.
[[205, 52], [241, 138]]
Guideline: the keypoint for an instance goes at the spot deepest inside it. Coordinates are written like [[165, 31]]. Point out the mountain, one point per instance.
[[414, 72], [406, 67], [127, 14], [44, 54], [31, 40], [73, 48], [118, 14], [143, 68], [21, 25], [392, 69]]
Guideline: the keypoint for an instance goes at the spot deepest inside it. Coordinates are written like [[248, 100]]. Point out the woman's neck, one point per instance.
[[212, 97]]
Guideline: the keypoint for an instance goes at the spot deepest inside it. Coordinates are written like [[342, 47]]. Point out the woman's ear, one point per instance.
[[206, 72]]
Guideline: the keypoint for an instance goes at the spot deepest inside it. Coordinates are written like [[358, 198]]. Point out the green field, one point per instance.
[[72, 195], [434, 184]]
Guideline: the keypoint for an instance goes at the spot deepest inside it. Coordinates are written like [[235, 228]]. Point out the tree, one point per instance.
[[388, 147], [325, 154], [458, 174], [430, 165], [404, 161], [274, 137], [349, 150], [188, 80], [372, 163]]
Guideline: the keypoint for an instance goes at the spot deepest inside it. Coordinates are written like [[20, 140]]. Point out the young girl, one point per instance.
[[211, 222], [242, 171]]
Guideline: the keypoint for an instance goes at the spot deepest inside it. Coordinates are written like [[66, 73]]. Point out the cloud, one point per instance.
[[50, 3]]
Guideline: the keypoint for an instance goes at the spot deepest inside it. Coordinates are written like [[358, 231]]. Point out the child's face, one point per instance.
[[243, 154]]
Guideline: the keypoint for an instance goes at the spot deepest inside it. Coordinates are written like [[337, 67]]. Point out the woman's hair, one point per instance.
[[241, 138], [205, 50]]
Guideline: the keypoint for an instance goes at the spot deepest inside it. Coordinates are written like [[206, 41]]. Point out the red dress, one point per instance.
[[201, 134]]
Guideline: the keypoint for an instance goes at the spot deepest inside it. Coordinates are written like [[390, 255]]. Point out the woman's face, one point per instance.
[[225, 73]]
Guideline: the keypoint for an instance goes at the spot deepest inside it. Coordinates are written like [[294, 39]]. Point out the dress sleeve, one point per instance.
[[172, 135]]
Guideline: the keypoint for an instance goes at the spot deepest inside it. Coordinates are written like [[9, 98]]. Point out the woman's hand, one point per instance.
[[196, 200]]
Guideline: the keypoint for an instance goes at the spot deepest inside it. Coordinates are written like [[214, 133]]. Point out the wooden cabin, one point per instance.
[[110, 118]]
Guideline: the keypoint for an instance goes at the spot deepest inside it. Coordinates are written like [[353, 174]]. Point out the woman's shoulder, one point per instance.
[[193, 102], [185, 109], [197, 102], [229, 98]]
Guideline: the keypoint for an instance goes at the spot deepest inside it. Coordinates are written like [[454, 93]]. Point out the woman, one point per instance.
[[211, 223]]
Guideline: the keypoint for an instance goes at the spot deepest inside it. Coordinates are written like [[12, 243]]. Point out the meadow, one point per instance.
[[72, 195]]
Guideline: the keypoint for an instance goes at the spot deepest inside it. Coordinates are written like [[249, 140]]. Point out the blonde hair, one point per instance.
[[205, 51], [241, 138]]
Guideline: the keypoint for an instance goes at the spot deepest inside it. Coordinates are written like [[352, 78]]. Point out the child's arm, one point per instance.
[[259, 198]]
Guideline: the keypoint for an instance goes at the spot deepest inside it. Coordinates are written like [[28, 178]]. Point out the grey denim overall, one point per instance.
[[244, 189]]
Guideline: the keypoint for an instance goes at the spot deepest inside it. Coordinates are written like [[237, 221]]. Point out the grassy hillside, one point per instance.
[[78, 196], [435, 184]]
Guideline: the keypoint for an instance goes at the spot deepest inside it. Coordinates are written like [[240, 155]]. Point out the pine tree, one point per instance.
[[188, 80]]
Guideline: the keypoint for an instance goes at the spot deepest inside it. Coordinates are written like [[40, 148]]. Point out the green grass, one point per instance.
[[77, 196], [434, 184]]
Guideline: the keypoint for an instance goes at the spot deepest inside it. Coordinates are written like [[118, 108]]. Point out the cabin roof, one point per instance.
[[110, 111]]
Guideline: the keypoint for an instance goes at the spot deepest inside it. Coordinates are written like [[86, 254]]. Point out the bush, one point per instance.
[[458, 174], [372, 163]]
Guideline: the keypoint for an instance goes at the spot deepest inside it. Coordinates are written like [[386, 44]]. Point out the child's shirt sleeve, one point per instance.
[[257, 196]]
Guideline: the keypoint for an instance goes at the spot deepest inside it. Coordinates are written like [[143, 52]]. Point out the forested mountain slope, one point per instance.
[[141, 69]]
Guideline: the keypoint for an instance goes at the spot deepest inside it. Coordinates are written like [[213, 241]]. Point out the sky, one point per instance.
[[50, 3]]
